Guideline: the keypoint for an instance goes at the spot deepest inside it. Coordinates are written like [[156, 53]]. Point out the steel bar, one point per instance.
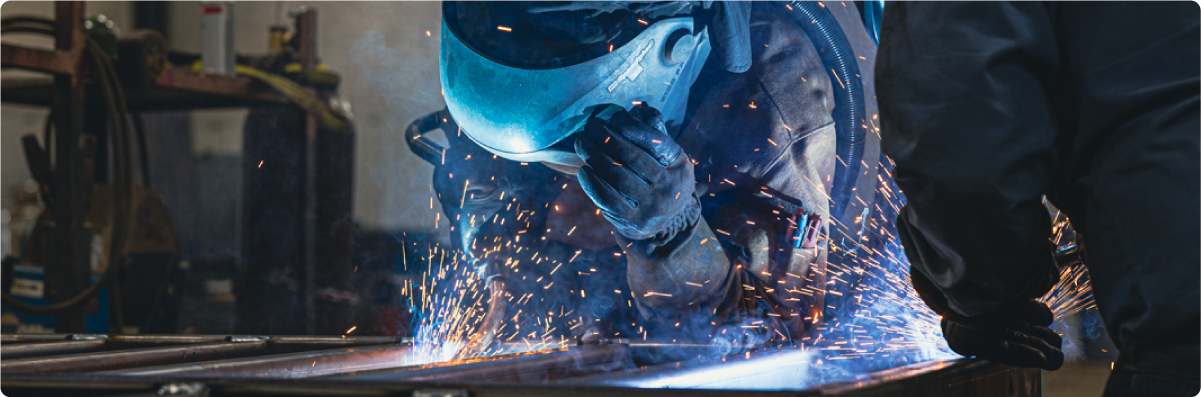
[[536, 366], [32, 338], [291, 365], [120, 342], [133, 358], [50, 348], [68, 271], [293, 344]]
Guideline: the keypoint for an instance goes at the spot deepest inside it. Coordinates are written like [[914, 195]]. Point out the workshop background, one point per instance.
[[386, 54]]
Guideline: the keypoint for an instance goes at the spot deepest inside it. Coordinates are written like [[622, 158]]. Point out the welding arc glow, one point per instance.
[[874, 320], [783, 370]]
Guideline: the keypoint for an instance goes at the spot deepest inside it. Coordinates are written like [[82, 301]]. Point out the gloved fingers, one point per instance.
[[1045, 355], [1042, 333], [608, 199], [650, 138], [1021, 355], [619, 176], [620, 153], [1037, 313], [1003, 345], [650, 116]]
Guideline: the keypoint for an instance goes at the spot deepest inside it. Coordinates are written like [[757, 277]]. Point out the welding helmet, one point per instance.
[[524, 108]]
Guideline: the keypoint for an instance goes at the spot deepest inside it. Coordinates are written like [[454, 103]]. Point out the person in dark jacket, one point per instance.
[[987, 108], [677, 214]]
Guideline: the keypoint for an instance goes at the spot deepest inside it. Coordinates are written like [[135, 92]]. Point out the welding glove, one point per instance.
[[1014, 334], [638, 176]]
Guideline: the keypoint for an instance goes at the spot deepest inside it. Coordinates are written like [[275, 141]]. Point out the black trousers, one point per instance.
[[1151, 370]]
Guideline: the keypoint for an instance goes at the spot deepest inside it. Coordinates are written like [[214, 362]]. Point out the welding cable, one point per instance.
[[123, 179], [839, 60], [115, 100], [312, 104]]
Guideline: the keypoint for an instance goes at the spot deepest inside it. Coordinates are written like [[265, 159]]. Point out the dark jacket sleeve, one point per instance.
[[965, 103]]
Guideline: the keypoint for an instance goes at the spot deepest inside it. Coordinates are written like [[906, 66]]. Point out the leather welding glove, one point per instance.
[[638, 176], [1014, 334]]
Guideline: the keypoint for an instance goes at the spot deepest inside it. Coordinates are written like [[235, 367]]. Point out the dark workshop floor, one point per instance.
[[1076, 379]]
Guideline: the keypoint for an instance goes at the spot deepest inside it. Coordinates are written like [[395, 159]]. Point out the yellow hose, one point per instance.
[[325, 114]]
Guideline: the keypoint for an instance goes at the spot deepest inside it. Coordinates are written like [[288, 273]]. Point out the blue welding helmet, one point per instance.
[[525, 110]]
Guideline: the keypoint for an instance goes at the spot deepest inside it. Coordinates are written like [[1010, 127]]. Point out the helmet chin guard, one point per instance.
[[519, 114]]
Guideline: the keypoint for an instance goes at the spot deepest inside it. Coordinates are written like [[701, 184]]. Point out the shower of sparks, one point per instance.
[[873, 318]]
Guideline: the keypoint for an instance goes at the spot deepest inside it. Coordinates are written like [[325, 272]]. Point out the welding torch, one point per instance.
[[489, 269]]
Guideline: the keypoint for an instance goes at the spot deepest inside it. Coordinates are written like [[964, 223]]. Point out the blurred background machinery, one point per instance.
[[104, 237]]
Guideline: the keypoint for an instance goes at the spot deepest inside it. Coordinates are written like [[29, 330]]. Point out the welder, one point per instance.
[[988, 108], [676, 157]]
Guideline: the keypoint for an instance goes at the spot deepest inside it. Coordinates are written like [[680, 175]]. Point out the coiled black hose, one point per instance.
[[115, 102], [849, 110]]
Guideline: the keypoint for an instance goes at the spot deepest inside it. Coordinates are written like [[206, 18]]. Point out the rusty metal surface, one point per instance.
[[10, 352], [178, 89], [290, 366], [100, 361], [39, 60]]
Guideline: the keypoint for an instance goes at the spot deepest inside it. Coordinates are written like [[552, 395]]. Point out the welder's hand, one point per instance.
[[639, 177], [1015, 334]]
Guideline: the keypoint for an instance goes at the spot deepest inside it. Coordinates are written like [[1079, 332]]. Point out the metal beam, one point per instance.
[[68, 272], [288, 366], [50, 348], [530, 367], [100, 361], [39, 60]]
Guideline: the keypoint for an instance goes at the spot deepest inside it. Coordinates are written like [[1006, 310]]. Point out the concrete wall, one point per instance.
[[389, 65]]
